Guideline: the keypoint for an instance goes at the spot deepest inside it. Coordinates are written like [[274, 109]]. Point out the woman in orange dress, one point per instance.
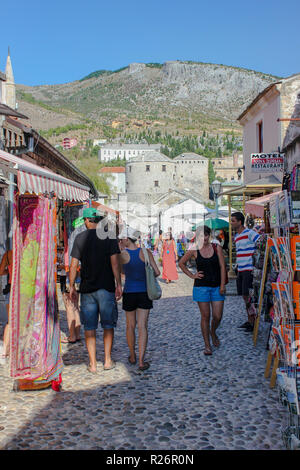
[[169, 258]]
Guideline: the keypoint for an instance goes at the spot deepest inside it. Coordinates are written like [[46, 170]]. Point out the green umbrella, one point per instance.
[[214, 224]]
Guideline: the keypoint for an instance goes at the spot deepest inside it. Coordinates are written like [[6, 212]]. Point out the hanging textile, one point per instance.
[[35, 333], [3, 239]]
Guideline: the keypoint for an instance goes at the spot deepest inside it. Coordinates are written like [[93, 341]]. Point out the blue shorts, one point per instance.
[[207, 294], [101, 302]]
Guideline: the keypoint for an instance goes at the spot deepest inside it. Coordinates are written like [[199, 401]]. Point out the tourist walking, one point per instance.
[[209, 284], [72, 309], [169, 258], [100, 286], [245, 243], [6, 269], [136, 302], [158, 245]]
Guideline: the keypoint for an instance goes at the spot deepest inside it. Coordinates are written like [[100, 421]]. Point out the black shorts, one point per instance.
[[244, 282], [134, 300]]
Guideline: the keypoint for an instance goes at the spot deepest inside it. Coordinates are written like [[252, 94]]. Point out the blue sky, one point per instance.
[[63, 40]]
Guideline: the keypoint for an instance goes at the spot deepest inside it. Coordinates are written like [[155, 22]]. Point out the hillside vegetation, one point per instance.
[[185, 97]]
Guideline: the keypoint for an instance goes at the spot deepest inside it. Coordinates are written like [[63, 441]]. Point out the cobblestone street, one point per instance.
[[184, 401]]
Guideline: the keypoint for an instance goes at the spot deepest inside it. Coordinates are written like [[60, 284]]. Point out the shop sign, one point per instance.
[[268, 162]]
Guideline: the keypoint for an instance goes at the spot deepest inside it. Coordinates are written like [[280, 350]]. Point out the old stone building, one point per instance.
[[153, 174], [227, 167], [191, 172]]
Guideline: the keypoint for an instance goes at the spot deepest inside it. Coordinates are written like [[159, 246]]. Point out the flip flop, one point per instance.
[[145, 366], [113, 366], [130, 362], [91, 371], [207, 352], [216, 342], [67, 341]]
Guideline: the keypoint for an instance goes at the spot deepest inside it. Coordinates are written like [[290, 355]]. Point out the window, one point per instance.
[[147, 167], [164, 168], [260, 139], [156, 184]]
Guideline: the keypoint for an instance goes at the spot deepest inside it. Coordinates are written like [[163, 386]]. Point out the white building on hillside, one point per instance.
[[110, 152]]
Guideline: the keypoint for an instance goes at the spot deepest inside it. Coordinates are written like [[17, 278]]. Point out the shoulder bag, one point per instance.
[[153, 288]]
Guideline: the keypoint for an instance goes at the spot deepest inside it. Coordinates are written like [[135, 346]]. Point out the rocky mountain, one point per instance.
[[181, 95]]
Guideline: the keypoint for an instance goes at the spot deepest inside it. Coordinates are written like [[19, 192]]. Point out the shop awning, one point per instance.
[[103, 208], [256, 206], [37, 180]]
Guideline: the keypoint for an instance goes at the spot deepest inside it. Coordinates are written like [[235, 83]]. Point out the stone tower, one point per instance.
[[10, 87]]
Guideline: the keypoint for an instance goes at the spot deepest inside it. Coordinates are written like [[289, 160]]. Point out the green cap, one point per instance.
[[90, 212]]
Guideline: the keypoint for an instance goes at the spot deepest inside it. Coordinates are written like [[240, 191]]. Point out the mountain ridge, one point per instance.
[[184, 96]]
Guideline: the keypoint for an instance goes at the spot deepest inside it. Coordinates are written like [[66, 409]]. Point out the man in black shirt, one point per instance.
[[100, 285]]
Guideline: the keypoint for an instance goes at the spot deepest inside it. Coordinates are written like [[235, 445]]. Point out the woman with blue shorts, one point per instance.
[[209, 283]]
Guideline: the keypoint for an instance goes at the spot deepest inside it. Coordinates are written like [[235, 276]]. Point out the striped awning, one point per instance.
[[38, 180], [68, 191]]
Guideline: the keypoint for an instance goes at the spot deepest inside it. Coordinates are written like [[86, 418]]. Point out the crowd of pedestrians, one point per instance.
[[104, 260]]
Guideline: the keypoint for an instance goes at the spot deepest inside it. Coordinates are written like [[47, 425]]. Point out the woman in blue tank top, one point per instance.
[[136, 302]]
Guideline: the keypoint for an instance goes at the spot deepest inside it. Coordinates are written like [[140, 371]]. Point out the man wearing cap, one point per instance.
[[100, 285]]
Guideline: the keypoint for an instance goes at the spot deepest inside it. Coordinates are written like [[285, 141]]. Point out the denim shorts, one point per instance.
[[101, 302], [207, 294]]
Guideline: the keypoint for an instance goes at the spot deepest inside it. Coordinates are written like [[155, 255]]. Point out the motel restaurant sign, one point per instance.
[[267, 162]]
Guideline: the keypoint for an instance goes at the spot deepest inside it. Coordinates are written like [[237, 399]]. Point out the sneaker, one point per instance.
[[245, 325], [249, 329]]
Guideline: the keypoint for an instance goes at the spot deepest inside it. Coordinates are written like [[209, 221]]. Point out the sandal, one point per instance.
[[113, 366], [130, 362], [207, 352], [145, 366], [66, 341], [215, 340], [91, 371]]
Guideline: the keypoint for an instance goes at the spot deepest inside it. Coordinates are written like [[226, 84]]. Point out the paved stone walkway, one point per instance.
[[184, 401]]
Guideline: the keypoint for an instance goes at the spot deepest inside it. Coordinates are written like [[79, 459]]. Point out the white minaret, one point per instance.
[[10, 87]]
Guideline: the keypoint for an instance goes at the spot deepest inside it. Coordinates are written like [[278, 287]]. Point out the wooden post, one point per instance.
[[261, 294], [268, 365], [275, 366]]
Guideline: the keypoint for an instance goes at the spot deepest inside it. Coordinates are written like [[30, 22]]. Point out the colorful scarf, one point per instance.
[[35, 333]]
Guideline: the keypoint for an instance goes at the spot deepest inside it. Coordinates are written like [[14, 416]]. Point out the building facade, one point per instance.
[[110, 152], [153, 174], [227, 167], [265, 122]]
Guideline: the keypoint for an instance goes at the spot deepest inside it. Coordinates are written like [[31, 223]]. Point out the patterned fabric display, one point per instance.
[[35, 333]]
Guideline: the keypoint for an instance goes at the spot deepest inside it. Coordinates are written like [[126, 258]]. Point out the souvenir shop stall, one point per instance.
[[39, 195], [277, 291]]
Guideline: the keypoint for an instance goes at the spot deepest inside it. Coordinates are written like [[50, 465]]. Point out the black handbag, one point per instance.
[[6, 289]]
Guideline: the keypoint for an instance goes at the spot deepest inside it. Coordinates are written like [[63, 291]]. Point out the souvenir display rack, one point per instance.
[[276, 290]]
